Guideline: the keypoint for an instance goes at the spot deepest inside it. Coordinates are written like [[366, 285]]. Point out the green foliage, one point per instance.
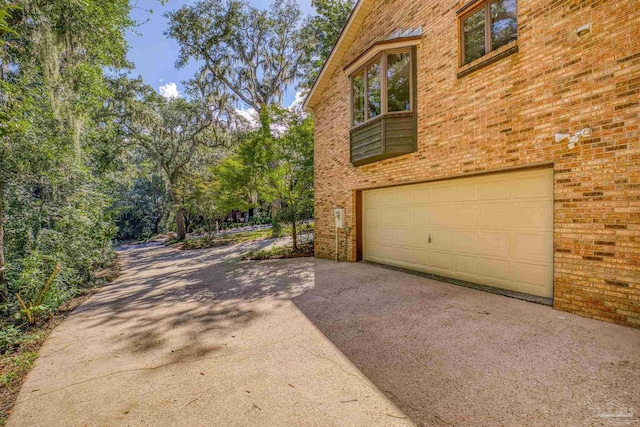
[[273, 170], [252, 54], [58, 148], [18, 366], [226, 239], [280, 252], [10, 337], [141, 210], [320, 33], [287, 182], [174, 134]]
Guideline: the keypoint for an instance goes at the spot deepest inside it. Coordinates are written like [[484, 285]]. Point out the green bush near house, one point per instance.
[[281, 252]]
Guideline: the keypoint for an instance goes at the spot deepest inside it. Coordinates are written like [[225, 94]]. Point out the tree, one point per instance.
[[173, 133], [289, 175], [53, 63], [141, 206], [202, 197], [276, 170], [320, 33], [253, 53]]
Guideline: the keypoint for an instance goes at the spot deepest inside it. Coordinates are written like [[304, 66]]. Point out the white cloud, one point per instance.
[[169, 90], [298, 100], [249, 115]]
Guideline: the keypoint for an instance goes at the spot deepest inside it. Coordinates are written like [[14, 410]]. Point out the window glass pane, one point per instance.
[[358, 98], [474, 42], [504, 24], [399, 81], [373, 90]]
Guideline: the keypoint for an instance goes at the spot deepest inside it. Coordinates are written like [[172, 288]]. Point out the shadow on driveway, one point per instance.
[[163, 291], [200, 338]]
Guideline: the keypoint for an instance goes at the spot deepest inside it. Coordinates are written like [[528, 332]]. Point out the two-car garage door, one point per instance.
[[495, 230]]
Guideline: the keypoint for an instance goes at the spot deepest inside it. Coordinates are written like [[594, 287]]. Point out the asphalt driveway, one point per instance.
[[453, 356], [200, 338]]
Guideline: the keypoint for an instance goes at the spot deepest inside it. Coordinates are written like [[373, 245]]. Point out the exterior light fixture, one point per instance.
[[573, 140], [583, 30]]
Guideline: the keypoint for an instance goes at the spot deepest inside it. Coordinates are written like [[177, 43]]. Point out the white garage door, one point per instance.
[[495, 230]]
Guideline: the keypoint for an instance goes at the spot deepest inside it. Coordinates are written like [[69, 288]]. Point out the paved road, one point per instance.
[[197, 338]]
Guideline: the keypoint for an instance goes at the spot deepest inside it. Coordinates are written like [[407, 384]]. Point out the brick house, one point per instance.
[[494, 142]]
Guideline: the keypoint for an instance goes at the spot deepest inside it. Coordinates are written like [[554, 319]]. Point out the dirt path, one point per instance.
[[198, 338]]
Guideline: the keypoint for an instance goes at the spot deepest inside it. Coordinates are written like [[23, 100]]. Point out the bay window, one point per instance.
[[383, 93]]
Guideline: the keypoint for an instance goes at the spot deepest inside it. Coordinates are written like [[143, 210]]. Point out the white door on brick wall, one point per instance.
[[495, 230]]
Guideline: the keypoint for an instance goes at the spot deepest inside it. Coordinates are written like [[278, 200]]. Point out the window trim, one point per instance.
[[384, 107], [465, 13]]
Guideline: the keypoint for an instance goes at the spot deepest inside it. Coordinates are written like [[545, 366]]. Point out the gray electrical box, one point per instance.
[[339, 216]]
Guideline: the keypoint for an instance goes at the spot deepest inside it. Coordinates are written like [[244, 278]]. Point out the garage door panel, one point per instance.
[[419, 238], [422, 196], [495, 230], [533, 278], [441, 193], [531, 215], [370, 217], [441, 238], [376, 234], [387, 216], [466, 264], [466, 241], [499, 269], [493, 215], [466, 192], [497, 189], [404, 215], [441, 215], [466, 215], [387, 252], [401, 236], [420, 215], [533, 184], [403, 197], [442, 261], [379, 199], [494, 243], [421, 257], [532, 245]]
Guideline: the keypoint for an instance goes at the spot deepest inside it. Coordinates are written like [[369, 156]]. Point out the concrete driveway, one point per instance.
[[199, 338]]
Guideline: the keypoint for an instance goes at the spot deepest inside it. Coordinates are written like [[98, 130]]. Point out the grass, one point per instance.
[[16, 361], [233, 238], [19, 346], [223, 240], [280, 252]]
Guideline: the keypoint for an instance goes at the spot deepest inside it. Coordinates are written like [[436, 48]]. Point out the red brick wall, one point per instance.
[[504, 116]]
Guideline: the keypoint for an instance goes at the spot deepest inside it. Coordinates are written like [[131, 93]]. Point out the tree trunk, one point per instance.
[[294, 234], [180, 227], [156, 225], [4, 289]]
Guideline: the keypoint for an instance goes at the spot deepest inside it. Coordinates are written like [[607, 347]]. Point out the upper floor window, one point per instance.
[[382, 86], [486, 27]]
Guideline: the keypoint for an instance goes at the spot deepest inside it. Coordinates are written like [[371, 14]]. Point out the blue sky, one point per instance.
[[154, 55]]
